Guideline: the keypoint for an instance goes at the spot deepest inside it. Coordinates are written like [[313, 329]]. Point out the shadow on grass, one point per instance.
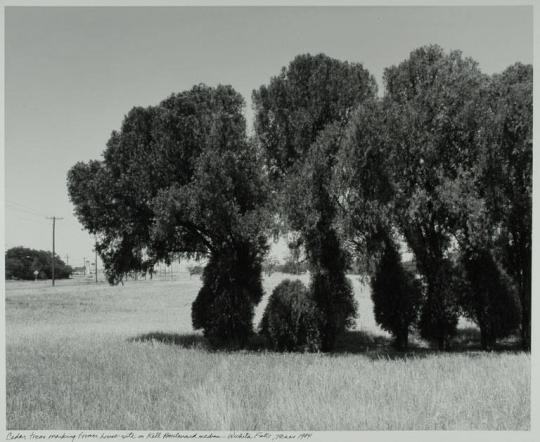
[[371, 345], [468, 339], [376, 347], [185, 341]]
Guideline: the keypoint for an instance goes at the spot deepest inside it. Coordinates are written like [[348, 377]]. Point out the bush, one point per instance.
[[224, 307], [396, 296], [290, 321], [440, 311], [329, 288], [490, 300], [334, 298]]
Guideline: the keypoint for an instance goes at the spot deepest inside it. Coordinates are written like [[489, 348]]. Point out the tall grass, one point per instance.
[[125, 358]]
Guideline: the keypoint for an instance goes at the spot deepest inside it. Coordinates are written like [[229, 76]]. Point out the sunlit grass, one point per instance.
[[99, 357]]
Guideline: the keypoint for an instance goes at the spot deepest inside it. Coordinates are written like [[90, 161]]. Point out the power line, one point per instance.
[[17, 203], [23, 206], [29, 220], [18, 209]]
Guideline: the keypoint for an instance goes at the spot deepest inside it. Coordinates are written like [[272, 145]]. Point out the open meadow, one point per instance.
[[85, 356]]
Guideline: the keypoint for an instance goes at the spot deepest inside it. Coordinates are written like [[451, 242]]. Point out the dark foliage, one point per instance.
[[440, 310], [225, 304], [312, 210], [290, 321], [329, 288], [334, 298], [312, 92], [299, 122], [508, 179], [182, 179], [491, 299], [362, 183], [432, 123], [396, 296], [21, 263]]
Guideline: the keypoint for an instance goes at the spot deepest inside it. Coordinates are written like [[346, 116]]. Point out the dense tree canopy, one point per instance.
[[312, 210], [362, 184], [300, 116], [508, 178], [432, 121], [22, 262], [442, 163], [306, 96], [445, 157], [181, 178]]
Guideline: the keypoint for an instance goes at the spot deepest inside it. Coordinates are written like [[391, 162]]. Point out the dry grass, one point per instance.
[[100, 357]]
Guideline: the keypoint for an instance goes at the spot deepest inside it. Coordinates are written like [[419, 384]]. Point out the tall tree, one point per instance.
[[365, 191], [431, 113], [182, 179], [508, 178], [486, 294], [492, 203], [299, 118], [311, 209]]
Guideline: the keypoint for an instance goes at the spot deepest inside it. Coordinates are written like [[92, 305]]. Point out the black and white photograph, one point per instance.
[[267, 221]]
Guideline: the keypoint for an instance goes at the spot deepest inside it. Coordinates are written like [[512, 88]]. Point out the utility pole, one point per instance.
[[84, 266], [54, 218]]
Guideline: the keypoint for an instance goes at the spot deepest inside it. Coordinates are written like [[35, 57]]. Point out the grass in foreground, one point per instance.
[[124, 358]]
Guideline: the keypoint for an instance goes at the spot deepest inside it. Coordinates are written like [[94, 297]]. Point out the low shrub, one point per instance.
[[490, 298], [290, 321]]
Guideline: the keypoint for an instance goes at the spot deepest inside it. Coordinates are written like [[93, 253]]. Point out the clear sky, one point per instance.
[[71, 74]]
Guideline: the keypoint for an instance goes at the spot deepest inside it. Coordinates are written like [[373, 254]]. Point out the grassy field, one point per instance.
[[100, 357]]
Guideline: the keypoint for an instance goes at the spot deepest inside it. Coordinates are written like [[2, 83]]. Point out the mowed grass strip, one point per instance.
[[126, 358]]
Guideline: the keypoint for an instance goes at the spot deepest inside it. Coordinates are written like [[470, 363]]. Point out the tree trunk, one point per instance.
[[483, 338], [524, 287], [402, 341], [525, 330], [440, 343], [487, 339], [443, 343]]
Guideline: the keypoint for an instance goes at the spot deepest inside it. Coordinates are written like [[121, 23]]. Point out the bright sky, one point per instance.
[[71, 74]]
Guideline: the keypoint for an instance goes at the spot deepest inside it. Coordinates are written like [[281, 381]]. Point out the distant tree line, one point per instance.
[[441, 163], [21, 263], [289, 265]]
